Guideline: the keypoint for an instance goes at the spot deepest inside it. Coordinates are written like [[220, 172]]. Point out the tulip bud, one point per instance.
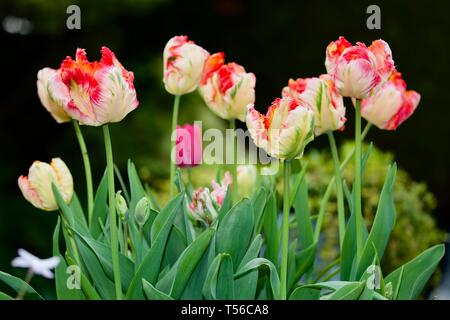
[[284, 131], [142, 211], [246, 180], [201, 208], [37, 186], [227, 89], [101, 91], [121, 205], [183, 65]]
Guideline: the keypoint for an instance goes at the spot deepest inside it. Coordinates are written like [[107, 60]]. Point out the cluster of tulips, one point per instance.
[[226, 243]]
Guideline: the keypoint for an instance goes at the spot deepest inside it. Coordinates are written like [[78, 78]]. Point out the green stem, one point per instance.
[[285, 230], [24, 288], [87, 169], [358, 211], [112, 212], [339, 192], [234, 164], [71, 239], [125, 239], [176, 106], [326, 196]]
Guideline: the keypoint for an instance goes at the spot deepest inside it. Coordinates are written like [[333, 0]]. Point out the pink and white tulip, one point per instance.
[[183, 65], [390, 106], [53, 93], [227, 88], [357, 69], [101, 92], [284, 131], [320, 95], [188, 146], [37, 186]]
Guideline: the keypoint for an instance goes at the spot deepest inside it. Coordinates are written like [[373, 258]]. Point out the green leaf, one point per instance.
[[18, 284], [271, 232], [61, 276], [104, 255], [382, 225], [258, 203], [302, 214], [4, 296], [245, 286], [350, 291], [100, 209], [238, 221], [305, 293], [225, 282], [102, 283], [86, 286], [152, 293], [74, 219], [416, 273], [150, 266], [256, 263], [304, 261], [210, 285], [188, 261], [226, 205]]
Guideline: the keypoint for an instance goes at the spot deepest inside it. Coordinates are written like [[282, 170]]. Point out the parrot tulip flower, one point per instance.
[[227, 88], [37, 186], [101, 92], [390, 106], [284, 131], [188, 146], [357, 69], [320, 95], [53, 93], [183, 65]]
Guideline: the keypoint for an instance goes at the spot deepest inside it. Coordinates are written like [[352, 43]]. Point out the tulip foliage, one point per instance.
[[237, 239]]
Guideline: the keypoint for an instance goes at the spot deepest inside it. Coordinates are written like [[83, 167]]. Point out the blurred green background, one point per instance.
[[276, 40]]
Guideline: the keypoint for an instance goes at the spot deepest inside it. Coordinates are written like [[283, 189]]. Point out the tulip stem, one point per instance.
[[112, 212], [176, 106], [285, 230], [326, 195], [234, 164], [87, 169], [358, 211], [339, 192]]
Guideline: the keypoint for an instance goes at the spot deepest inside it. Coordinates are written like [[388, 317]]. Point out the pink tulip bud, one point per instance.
[[390, 106], [101, 91], [188, 146]]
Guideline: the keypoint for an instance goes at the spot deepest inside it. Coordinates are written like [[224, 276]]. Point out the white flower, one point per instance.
[[40, 267]]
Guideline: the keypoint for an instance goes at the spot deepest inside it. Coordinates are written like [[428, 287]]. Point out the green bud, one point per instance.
[[121, 205], [142, 211]]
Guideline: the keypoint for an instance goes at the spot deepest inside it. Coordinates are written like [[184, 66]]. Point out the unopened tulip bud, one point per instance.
[[121, 204], [142, 211], [37, 186]]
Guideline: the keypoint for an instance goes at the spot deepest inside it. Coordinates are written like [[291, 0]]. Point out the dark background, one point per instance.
[[274, 39]]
